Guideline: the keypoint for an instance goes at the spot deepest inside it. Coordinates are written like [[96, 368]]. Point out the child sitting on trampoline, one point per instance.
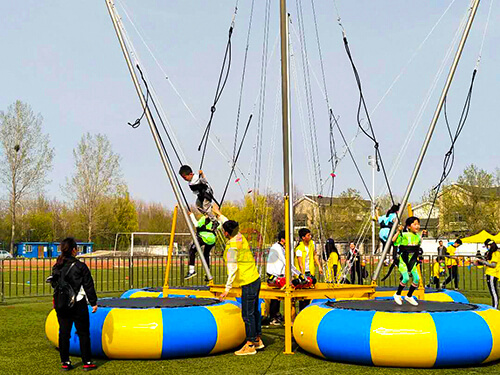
[[205, 201], [409, 247]]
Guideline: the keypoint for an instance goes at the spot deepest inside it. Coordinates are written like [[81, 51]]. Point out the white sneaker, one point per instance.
[[411, 300], [397, 299]]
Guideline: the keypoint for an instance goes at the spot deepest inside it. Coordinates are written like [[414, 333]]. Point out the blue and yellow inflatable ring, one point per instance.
[[154, 328], [381, 333]]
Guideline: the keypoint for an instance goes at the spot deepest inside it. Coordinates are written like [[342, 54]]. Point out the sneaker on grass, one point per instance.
[[190, 275], [398, 299], [259, 344], [89, 366], [275, 322], [248, 349], [66, 366]]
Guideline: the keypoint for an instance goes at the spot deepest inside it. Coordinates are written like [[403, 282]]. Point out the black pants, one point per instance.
[[206, 252], [356, 269], [453, 275], [435, 281], [492, 286], [79, 315], [305, 302], [250, 310], [274, 308]]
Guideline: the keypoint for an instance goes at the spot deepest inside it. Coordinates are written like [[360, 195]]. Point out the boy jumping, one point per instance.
[[205, 202]]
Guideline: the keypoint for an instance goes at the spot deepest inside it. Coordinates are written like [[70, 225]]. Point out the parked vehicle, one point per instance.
[[5, 254]]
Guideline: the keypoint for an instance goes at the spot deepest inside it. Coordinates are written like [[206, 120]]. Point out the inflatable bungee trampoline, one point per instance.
[[381, 333], [157, 292], [158, 328], [430, 294], [387, 292], [195, 290]]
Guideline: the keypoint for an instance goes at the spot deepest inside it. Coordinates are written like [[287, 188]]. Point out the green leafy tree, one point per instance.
[[470, 205], [125, 218], [96, 177], [26, 157], [345, 219]]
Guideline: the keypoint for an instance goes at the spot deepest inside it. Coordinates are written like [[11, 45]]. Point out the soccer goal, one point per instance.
[[148, 243]]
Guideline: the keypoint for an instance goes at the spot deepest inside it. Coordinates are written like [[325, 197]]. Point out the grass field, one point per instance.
[[24, 349]]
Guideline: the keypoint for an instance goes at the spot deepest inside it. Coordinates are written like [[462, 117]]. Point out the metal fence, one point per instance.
[[21, 277]]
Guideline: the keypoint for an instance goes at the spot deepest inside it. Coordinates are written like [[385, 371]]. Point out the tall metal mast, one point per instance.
[[170, 173], [287, 171], [428, 137]]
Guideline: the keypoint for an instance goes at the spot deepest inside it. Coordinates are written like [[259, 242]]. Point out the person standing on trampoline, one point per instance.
[[241, 271], [409, 247], [205, 230], [492, 263]]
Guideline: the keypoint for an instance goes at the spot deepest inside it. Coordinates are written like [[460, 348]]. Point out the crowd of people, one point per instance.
[[309, 263]]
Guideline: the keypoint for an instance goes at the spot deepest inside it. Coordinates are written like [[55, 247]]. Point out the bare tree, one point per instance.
[[96, 176], [26, 156]]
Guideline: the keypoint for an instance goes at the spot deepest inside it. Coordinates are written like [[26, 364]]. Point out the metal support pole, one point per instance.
[[131, 262], [171, 246], [156, 136], [372, 161], [287, 171], [428, 137]]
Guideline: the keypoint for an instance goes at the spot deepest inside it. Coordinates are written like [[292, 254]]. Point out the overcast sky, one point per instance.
[[63, 58]]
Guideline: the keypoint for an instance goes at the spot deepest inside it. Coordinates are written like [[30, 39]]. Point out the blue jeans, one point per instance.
[[250, 310]]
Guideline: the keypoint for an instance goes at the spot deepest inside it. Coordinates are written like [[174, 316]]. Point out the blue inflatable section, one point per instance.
[[95, 334], [457, 297], [187, 337], [463, 337], [339, 324]]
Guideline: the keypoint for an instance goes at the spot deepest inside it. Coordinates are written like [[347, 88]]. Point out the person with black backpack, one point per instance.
[[73, 286]]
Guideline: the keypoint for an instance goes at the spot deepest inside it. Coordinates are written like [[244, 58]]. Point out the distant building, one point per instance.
[[448, 217], [431, 223], [341, 217], [48, 249]]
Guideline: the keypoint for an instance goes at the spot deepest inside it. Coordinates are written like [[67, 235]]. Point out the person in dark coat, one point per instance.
[[78, 276]]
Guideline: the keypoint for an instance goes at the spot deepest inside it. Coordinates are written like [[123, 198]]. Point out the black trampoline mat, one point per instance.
[[394, 288], [199, 287], [391, 306], [160, 288], [155, 303]]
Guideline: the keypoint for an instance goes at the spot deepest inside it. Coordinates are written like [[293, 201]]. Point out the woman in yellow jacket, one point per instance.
[[334, 268], [492, 263], [242, 272], [306, 259]]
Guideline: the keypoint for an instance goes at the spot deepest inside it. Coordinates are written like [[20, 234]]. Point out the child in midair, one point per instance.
[[205, 202], [409, 243]]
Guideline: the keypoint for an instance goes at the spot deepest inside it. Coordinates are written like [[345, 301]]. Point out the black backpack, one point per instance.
[[64, 295]]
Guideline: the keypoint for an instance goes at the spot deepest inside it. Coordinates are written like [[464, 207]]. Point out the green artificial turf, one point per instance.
[[24, 349]]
